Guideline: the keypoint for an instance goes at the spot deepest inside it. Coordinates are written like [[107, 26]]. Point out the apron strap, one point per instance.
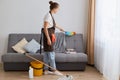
[[54, 23], [41, 41]]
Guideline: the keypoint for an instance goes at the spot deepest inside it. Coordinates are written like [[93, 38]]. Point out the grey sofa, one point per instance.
[[14, 61]]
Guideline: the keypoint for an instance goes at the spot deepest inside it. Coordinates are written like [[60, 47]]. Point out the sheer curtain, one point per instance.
[[107, 38]]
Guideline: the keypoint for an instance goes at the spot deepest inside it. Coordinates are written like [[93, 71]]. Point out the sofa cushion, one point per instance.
[[16, 37], [60, 57], [19, 46], [15, 57], [78, 57], [32, 47]]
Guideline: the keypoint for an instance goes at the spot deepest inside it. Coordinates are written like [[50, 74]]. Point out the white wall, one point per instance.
[[26, 16]]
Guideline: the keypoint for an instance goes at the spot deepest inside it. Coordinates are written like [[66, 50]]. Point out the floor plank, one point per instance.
[[89, 74]]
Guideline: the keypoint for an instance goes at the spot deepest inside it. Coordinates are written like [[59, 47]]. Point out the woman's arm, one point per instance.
[[57, 26], [46, 24]]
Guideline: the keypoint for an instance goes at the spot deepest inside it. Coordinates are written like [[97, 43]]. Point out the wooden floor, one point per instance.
[[89, 74]]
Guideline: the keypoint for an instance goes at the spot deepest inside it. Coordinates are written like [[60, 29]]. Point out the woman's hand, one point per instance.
[[49, 42]]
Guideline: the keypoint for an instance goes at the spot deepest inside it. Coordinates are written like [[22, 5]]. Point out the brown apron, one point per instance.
[[51, 31]]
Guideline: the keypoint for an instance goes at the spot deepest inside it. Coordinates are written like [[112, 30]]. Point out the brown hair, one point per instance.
[[53, 5]]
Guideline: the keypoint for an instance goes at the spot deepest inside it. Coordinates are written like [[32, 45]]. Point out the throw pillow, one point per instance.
[[19, 46], [32, 47]]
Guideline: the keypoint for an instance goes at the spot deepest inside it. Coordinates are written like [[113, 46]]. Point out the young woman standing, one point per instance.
[[49, 38]]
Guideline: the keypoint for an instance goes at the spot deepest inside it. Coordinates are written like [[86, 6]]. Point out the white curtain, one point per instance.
[[107, 38]]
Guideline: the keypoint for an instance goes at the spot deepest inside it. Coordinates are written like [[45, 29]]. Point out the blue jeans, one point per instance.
[[49, 58]]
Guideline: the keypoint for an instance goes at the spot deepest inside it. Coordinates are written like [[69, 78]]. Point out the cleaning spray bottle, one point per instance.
[[30, 72]]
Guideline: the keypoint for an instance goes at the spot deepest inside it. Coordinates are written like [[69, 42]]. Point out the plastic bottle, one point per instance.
[[30, 72]]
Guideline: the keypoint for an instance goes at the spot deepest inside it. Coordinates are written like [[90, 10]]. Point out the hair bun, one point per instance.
[[51, 2]]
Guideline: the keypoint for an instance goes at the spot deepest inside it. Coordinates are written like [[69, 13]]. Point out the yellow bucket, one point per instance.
[[37, 68]]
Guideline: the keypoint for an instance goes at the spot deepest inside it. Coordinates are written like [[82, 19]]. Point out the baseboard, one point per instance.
[[0, 64], [91, 65]]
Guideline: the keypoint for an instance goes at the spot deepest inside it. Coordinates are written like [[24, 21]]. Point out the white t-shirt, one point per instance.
[[48, 19]]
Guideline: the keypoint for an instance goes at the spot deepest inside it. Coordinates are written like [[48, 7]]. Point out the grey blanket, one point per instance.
[[60, 44]]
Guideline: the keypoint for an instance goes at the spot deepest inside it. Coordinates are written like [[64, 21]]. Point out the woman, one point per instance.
[[49, 38]]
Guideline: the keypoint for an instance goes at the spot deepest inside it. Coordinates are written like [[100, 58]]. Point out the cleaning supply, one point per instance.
[[53, 38], [41, 62], [37, 68], [69, 33], [67, 77], [70, 51], [31, 72]]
